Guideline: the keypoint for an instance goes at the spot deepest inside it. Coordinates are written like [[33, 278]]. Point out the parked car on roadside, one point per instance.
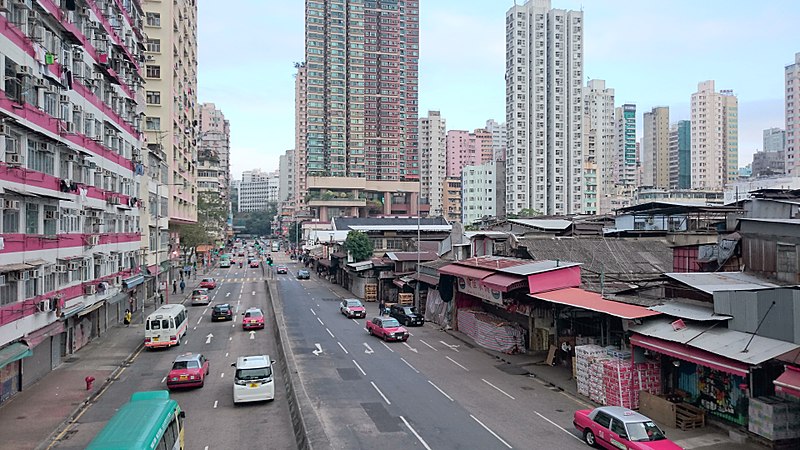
[[614, 427], [188, 370], [200, 297], [387, 328], [352, 308], [407, 315]]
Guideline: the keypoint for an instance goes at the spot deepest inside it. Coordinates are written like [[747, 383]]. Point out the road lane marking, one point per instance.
[[559, 426], [185, 342], [329, 332], [454, 362], [410, 347], [222, 374], [194, 328], [379, 392], [198, 320], [215, 404], [312, 311], [320, 321], [451, 347], [164, 379], [226, 354], [369, 349], [409, 365], [502, 391], [419, 438], [206, 310], [230, 338], [354, 320], [387, 347], [233, 325], [441, 391], [495, 434], [254, 293], [342, 346], [429, 345], [359, 368]]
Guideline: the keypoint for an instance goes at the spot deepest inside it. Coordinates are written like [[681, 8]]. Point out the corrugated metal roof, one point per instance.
[[592, 301], [411, 256], [401, 227], [491, 234], [710, 282], [545, 224], [538, 267], [718, 340], [687, 311], [492, 262], [786, 221]]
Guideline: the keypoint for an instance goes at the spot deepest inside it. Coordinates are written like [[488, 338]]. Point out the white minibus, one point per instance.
[[166, 326]]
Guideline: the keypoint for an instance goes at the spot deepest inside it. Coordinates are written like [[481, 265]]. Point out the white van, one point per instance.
[[166, 326], [253, 380]]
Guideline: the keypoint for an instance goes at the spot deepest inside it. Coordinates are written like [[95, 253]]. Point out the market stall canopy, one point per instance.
[[459, 270], [789, 382], [593, 301]]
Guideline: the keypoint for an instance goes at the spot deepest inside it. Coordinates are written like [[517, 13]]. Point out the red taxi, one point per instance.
[[387, 328], [615, 427], [352, 307], [188, 370], [208, 283], [253, 319]]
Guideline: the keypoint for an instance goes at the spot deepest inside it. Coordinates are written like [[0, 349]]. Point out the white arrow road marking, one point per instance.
[[387, 347], [227, 294], [451, 347], [410, 347], [342, 346], [369, 350], [502, 391], [252, 335], [379, 392], [409, 365], [359, 368], [429, 345], [318, 350], [208, 338], [441, 391], [454, 362]]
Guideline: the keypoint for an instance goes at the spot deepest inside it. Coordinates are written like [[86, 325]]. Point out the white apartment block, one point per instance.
[[793, 117], [287, 177], [714, 137], [499, 139], [655, 148], [479, 192], [544, 109], [433, 159], [599, 111], [257, 190]]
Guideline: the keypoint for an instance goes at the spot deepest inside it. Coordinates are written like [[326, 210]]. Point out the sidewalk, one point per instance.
[[31, 418]]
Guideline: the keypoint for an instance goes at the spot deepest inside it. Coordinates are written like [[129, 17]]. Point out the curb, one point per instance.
[[307, 425]]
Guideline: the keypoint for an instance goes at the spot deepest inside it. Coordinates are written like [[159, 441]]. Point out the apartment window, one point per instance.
[[153, 123], [154, 45], [153, 19], [50, 220], [10, 221], [40, 158], [32, 218], [154, 97], [8, 292], [153, 71]]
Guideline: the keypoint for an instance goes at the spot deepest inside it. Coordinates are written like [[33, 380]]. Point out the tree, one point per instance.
[[359, 245], [294, 232], [192, 235], [257, 223], [212, 213], [525, 213]]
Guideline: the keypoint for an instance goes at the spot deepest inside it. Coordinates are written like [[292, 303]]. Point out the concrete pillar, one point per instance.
[[323, 213], [387, 203], [413, 198]]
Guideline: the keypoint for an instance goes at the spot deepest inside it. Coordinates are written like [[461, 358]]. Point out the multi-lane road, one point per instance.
[[431, 392], [213, 422]]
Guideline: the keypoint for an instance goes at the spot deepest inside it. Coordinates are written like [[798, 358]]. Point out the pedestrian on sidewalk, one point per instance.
[[183, 286], [127, 319], [381, 307], [174, 286], [161, 297]]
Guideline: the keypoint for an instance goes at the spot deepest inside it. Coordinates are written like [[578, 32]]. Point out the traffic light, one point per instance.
[[269, 261]]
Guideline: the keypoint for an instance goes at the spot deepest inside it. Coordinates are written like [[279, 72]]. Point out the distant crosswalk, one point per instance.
[[241, 280]]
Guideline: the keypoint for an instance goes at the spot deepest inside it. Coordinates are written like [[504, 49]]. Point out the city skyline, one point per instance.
[[466, 82]]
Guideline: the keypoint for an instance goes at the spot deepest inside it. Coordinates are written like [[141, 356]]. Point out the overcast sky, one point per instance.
[[652, 53]]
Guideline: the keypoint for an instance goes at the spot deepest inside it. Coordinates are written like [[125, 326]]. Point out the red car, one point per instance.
[[615, 427], [387, 328], [352, 307], [253, 319], [188, 370], [254, 263], [208, 283], [282, 269]]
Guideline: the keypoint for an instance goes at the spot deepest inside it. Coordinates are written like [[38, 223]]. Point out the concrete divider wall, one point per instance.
[[308, 430]]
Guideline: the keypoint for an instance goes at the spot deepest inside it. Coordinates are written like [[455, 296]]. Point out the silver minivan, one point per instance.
[[253, 380]]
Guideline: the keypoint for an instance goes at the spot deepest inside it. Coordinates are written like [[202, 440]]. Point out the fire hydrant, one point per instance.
[[89, 381]]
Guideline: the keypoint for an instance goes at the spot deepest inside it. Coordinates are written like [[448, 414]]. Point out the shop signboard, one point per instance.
[[474, 287]]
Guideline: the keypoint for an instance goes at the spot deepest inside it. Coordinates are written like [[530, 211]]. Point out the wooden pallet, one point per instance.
[[688, 417]]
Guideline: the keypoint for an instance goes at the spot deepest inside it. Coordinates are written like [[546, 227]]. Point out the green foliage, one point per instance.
[[359, 245], [525, 213], [294, 231], [256, 223], [192, 235]]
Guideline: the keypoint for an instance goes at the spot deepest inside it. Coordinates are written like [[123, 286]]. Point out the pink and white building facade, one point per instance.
[[71, 111]]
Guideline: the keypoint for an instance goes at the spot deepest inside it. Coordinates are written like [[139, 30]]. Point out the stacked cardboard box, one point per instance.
[[774, 418], [623, 381], [584, 356]]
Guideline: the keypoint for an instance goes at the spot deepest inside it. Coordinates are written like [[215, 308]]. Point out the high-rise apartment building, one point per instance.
[[287, 180], [360, 79], [213, 152], [466, 148], [481, 191], [774, 140], [680, 155], [793, 117], [452, 199], [544, 108], [599, 110], [655, 148], [71, 161], [626, 165], [772, 160], [499, 139], [433, 160], [172, 130], [715, 137], [257, 190], [300, 127]]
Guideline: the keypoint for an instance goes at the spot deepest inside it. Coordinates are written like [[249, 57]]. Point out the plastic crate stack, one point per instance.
[[623, 381], [774, 418], [584, 356]]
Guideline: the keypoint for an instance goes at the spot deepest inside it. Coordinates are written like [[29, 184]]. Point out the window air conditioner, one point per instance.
[[90, 289], [13, 159], [60, 268]]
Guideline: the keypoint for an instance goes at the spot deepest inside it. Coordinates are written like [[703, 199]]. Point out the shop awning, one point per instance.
[[36, 262], [503, 282], [35, 338], [593, 301], [359, 266], [789, 382], [88, 310], [117, 298], [465, 271], [14, 267], [133, 281], [428, 279], [324, 262], [686, 353], [71, 311], [14, 352], [399, 283]]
